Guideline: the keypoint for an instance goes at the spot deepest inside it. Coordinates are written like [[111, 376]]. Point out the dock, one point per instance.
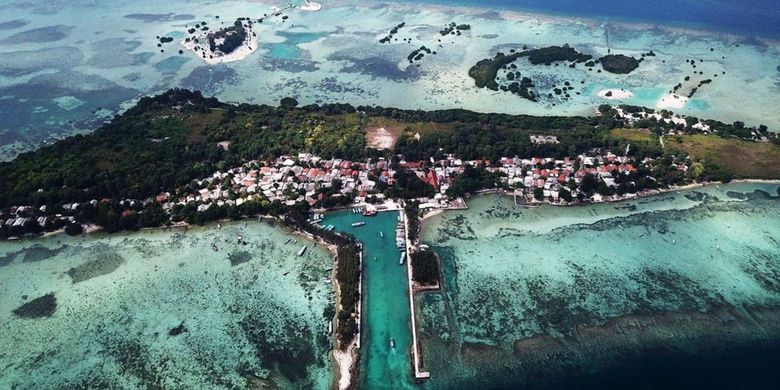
[[419, 374]]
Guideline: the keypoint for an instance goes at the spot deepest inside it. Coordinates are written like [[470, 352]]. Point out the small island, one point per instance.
[[619, 63], [229, 44]]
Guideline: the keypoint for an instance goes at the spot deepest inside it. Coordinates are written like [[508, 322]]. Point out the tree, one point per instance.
[[288, 102], [538, 193], [73, 229]]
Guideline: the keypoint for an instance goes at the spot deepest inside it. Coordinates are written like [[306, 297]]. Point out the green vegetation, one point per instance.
[[619, 63], [472, 180], [485, 71], [347, 272], [425, 268], [412, 212], [167, 142], [232, 38], [727, 157]]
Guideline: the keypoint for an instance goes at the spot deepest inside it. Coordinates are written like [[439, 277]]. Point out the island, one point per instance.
[[228, 44], [619, 63], [180, 159], [486, 71]]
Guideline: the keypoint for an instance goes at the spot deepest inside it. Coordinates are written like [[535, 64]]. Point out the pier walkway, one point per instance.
[[417, 360]]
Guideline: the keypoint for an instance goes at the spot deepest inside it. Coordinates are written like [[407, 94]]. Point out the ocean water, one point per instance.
[[68, 66], [681, 290], [255, 314], [723, 15], [386, 306]]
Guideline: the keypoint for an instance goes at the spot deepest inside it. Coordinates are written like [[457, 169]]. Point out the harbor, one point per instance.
[[386, 337]]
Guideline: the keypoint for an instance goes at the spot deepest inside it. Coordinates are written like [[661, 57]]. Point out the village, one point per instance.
[[309, 178]]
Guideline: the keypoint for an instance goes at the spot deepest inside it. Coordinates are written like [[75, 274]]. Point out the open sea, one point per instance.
[[759, 17], [66, 67]]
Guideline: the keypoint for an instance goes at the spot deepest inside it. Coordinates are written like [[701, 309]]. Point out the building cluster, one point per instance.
[[308, 178]]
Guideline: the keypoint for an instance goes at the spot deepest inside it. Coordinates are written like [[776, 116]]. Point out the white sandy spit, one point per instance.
[[672, 101], [615, 94]]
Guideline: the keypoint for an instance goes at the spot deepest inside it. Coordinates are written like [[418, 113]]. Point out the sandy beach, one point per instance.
[[672, 101]]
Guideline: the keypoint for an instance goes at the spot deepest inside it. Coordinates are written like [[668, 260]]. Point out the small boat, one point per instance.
[[403, 257], [382, 234], [374, 258], [302, 250], [392, 343], [288, 241], [369, 213], [214, 247], [358, 224]]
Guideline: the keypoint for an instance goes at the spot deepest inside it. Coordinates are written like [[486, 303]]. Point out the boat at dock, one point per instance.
[[302, 250], [369, 213], [403, 257], [358, 224]]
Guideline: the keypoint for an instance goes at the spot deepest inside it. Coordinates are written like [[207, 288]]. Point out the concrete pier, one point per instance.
[[417, 360]]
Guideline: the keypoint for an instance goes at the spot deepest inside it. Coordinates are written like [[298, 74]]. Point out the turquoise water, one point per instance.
[[66, 67], [289, 48], [653, 292], [386, 303], [255, 314]]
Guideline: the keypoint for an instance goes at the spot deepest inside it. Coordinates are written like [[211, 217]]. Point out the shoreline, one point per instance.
[[249, 46], [430, 214]]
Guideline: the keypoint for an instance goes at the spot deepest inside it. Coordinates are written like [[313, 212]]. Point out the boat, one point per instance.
[[392, 343], [214, 247], [369, 213], [302, 250], [403, 257], [288, 241], [310, 6], [358, 224], [381, 234]]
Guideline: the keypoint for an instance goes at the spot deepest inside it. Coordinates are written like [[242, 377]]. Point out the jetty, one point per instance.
[[419, 374]]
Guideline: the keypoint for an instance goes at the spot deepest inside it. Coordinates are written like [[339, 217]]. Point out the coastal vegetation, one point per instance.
[[485, 72], [425, 268], [228, 39], [619, 63], [347, 272]]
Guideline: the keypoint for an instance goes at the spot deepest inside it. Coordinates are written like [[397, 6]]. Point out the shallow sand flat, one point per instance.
[[334, 55], [515, 275], [111, 326]]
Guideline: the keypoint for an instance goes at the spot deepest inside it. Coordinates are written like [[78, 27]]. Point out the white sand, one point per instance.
[[672, 101], [248, 47], [345, 361], [615, 94]]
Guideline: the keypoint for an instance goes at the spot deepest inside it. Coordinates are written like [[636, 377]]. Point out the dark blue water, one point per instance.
[[747, 17]]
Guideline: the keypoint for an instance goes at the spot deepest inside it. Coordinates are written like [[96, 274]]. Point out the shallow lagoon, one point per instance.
[[65, 67], [254, 313], [656, 292]]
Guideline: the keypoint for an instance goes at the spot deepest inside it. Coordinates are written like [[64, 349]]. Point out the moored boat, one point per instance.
[[358, 224], [302, 250]]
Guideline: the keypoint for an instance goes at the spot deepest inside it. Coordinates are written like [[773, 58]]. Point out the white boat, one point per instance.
[[302, 250], [403, 257], [310, 6], [392, 343], [381, 234], [358, 224]]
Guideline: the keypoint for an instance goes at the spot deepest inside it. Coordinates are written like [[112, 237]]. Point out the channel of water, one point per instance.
[[385, 301]]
